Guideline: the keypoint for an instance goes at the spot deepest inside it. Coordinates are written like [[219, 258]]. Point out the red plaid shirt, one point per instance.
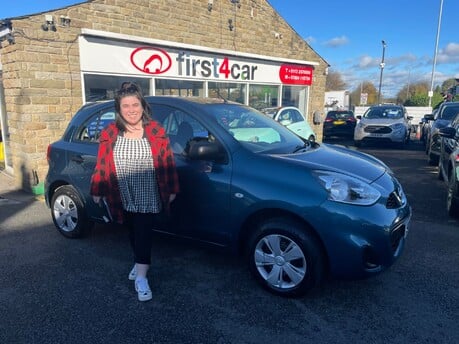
[[104, 182]]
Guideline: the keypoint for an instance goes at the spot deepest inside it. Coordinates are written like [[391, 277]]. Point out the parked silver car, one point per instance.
[[383, 123]]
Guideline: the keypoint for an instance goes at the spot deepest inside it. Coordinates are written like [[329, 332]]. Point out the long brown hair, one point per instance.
[[130, 89]]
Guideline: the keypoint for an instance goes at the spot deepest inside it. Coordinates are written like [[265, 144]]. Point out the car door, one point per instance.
[[201, 208], [448, 146], [82, 154]]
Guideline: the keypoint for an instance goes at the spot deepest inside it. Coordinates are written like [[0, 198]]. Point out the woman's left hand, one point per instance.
[[172, 197]]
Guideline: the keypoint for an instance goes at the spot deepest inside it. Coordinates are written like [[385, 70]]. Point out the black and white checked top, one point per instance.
[[136, 175]]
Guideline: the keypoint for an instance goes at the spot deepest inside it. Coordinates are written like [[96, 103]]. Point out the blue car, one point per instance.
[[299, 211]]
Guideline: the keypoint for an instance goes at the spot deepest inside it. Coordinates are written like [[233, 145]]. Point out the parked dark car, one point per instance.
[[425, 126], [448, 164], [442, 118], [340, 123], [387, 123], [298, 211]]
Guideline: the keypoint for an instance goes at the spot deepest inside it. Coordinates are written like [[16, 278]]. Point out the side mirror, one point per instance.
[[202, 149], [429, 117]]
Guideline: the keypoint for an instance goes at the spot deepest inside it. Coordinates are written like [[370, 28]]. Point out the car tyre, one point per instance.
[[452, 197], [285, 258], [68, 213], [439, 171], [432, 159]]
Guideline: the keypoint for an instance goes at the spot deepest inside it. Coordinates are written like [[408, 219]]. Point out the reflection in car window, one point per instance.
[[252, 129], [180, 126], [90, 130]]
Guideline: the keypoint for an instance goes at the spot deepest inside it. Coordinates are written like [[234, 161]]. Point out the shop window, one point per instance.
[[227, 90], [263, 96], [184, 88], [103, 87]]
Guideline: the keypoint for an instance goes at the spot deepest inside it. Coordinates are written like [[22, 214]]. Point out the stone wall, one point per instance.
[[41, 73]]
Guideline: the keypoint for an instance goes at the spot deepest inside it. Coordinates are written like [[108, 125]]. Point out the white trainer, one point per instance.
[[143, 289], [133, 274]]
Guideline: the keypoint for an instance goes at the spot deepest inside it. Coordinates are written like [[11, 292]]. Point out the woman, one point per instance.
[[135, 175]]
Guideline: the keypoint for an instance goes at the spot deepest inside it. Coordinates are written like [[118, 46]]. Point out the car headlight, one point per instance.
[[345, 189], [398, 127]]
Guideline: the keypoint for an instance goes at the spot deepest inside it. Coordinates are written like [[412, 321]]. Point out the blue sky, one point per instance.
[[348, 35]]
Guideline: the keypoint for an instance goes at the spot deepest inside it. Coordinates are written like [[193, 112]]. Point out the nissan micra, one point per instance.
[[298, 211]]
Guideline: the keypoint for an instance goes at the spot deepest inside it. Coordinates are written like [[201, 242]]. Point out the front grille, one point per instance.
[[378, 129], [395, 199]]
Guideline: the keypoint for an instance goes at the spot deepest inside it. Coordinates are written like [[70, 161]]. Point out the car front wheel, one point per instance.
[[68, 214], [285, 258]]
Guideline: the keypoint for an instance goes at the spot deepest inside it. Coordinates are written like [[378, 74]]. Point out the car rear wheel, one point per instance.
[[68, 213], [452, 202], [284, 258], [432, 159]]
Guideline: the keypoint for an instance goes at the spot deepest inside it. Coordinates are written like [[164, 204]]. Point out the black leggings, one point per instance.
[[140, 227]]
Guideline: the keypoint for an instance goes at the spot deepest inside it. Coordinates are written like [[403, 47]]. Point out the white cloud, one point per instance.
[[310, 39], [366, 61], [337, 42], [450, 54]]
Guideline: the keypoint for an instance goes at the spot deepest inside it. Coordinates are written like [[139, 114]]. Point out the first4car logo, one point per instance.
[[157, 61], [151, 60]]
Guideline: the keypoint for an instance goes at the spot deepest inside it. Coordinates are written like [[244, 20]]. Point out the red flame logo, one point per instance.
[[151, 60]]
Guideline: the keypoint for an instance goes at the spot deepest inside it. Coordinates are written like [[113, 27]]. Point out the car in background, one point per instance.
[[442, 118], [387, 123], [425, 126], [298, 211], [339, 123], [292, 118], [448, 164]]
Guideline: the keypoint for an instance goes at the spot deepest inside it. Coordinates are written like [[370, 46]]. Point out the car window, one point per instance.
[[340, 115], [296, 116], [384, 113], [90, 130], [450, 112], [180, 126]]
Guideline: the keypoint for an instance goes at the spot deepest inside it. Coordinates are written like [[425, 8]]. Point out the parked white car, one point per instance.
[[293, 119], [383, 123]]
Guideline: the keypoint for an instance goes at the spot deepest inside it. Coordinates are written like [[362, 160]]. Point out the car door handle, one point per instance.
[[78, 159]]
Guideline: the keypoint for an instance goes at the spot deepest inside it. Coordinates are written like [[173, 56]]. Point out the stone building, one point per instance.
[[53, 62]]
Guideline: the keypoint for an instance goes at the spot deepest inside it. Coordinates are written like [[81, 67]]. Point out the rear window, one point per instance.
[[340, 114]]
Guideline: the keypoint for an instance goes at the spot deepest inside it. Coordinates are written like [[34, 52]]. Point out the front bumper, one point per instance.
[[383, 134], [361, 241]]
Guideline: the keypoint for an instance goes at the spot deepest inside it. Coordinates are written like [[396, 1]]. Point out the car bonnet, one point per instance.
[[342, 160]]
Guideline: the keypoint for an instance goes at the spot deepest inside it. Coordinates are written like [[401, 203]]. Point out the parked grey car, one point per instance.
[[387, 123]]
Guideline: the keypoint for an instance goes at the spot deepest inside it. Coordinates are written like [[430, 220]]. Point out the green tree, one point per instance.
[[409, 91], [447, 84], [365, 87]]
